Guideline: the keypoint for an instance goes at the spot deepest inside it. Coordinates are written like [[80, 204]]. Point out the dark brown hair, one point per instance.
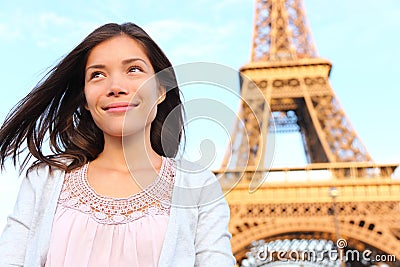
[[54, 109]]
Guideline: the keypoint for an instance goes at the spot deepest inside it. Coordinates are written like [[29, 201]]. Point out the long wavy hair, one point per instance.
[[54, 110]]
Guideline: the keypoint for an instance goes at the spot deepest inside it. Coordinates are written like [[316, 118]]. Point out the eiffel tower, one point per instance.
[[340, 195]]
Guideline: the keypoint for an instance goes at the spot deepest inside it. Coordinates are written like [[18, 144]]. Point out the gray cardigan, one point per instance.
[[197, 232]]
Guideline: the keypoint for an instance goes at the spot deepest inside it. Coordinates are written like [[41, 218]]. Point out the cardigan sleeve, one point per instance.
[[212, 241], [14, 239]]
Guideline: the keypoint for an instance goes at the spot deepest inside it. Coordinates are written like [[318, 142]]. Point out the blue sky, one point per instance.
[[360, 38]]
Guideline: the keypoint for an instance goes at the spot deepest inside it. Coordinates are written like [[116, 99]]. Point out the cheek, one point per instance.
[[89, 99], [152, 101], [152, 115], [148, 89]]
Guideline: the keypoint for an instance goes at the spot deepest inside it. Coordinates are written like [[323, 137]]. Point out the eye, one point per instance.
[[96, 74], [135, 69]]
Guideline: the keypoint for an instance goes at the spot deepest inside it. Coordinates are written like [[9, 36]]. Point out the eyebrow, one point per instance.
[[124, 62], [130, 60]]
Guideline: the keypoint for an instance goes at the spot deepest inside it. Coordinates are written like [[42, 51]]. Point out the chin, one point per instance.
[[132, 132]]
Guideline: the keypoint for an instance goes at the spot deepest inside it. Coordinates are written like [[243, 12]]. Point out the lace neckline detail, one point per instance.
[[155, 199], [147, 189]]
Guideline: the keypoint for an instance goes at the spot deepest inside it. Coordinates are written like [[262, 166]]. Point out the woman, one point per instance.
[[110, 193]]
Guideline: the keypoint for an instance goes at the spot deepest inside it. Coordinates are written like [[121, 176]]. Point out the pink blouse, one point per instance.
[[94, 230]]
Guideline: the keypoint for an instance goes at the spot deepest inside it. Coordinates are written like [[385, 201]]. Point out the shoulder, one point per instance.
[[42, 171], [195, 185], [194, 174], [42, 175]]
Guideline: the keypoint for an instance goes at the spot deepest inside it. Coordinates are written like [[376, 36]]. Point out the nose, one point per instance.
[[116, 89]]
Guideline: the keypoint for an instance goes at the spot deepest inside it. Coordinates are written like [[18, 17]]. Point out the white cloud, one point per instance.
[[44, 29], [46, 19], [51, 29], [223, 4], [168, 29], [8, 34], [191, 41]]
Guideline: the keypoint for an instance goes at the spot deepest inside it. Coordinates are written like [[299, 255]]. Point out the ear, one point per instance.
[[162, 94], [86, 106]]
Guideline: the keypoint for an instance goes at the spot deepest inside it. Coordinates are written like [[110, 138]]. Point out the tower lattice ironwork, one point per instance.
[[285, 87]]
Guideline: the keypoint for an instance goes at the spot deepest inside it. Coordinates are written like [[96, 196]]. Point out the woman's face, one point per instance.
[[120, 85]]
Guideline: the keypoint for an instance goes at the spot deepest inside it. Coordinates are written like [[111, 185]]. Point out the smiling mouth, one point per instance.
[[120, 107]]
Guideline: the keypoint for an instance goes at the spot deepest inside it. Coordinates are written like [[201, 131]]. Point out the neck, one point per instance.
[[132, 151]]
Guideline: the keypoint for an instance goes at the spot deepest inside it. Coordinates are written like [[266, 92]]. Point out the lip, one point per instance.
[[120, 107]]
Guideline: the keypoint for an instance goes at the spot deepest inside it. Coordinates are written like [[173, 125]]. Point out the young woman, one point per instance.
[[110, 193]]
